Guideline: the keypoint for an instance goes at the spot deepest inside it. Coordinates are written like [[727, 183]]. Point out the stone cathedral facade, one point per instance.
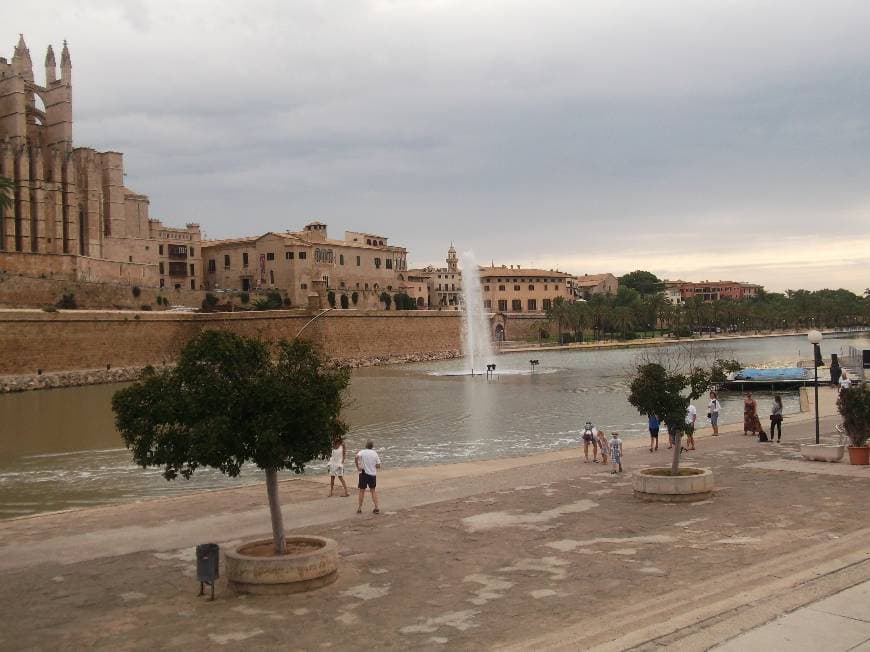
[[72, 216]]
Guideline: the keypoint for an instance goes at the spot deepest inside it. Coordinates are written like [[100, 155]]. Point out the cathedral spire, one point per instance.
[[65, 64], [50, 66]]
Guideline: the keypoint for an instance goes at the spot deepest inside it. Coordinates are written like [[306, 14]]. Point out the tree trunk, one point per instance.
[[275, 512], [678, 442]]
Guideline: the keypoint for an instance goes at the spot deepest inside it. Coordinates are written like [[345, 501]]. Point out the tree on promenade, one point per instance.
[[232, 400], [7, 190], [666, 387]]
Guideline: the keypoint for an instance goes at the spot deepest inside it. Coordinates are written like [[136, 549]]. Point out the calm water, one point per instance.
[[58, 448]]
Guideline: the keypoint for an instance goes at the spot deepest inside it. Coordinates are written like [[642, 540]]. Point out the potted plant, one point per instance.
[[232, 400], [854, 406]]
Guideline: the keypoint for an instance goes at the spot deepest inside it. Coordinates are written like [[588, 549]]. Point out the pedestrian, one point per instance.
[[691, 417], [845, 381], [713, 408], [750, 415], [776, 418], [654, 426], [368, 463], [590, 433], [336, 466], [601, 438], [615, 452]]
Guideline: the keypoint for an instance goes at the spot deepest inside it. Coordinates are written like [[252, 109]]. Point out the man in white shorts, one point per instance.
[[368, 463]]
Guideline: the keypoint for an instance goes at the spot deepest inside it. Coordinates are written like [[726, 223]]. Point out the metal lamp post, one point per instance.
[[815, 338]]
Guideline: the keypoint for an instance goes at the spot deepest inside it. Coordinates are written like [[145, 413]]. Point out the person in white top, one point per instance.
[[691, 417], [845, 381], [368, 463], [336, 466], [713, 408]]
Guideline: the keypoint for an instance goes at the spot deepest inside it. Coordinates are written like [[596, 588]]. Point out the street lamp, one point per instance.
[[815, 338]]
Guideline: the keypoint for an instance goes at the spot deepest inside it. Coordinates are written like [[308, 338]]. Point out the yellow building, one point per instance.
[[519, 289], [360, 267]]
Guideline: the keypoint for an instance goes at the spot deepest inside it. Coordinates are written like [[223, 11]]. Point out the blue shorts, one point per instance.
[[367, 481]]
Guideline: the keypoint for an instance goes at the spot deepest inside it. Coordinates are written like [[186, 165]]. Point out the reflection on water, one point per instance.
[[59, 449]]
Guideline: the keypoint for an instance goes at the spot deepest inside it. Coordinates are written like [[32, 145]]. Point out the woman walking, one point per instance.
[[776, 418], [336, 466], [750, 416], [713, 408]]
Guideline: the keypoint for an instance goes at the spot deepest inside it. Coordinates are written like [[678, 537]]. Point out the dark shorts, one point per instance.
[[367, 481], [690, 430], [654, 433], [588, 439]]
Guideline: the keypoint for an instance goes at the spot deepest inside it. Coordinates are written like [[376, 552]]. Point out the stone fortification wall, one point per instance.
[[25, 291], [77, 268], [78, 340], [522, 327]]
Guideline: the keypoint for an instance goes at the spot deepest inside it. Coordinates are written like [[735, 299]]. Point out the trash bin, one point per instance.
[[207, 565]]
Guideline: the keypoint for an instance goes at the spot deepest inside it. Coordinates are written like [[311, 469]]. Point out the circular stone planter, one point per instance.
[[311, 563], [655, 485], [822, 452]]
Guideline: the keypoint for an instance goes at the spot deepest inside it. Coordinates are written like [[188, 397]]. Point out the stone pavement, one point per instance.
[[839, 623], [543, 551]]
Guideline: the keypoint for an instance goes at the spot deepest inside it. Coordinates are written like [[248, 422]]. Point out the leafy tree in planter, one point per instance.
[[345, 304], [232, 400], [386, 299], [854, 406], [330, 297], [656, 390]]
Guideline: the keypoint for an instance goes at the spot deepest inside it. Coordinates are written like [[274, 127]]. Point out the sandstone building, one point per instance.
[[679, 291], [588, 284], [361, 267], [443, 284], [72, 215], [523, 289]]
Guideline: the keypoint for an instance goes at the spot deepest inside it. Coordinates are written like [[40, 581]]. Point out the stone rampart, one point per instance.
[[85, 340]]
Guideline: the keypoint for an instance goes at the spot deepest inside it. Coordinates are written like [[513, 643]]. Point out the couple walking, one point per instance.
[[367, 463]]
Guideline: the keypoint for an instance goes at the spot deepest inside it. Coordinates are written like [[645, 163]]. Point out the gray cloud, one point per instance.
[[524, 130]]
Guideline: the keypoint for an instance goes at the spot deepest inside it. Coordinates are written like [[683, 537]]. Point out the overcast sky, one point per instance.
[[696, 139]]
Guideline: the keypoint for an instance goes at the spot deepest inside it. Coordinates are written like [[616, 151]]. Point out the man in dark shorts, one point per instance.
[[653, 433], [368, 463]]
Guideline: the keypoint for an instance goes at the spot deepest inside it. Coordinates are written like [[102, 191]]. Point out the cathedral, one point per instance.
[[72, 216]]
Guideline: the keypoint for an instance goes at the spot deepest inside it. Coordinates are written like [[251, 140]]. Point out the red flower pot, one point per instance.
[[859, 455]]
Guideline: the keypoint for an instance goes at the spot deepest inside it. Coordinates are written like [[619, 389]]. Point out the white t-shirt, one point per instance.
[[691, 414], [713, 405], [845, 383], [368, 461], [337, 461]]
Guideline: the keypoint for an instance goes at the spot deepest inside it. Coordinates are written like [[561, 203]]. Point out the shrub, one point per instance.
[[210, 300], [344, 302], [136, 291], [244, 297], [269, 301], [682, 331], [49, 309], [386, 299], [145, 306], [854, 406], [354, 297], [330, 297], [67, 302], [286, 302]]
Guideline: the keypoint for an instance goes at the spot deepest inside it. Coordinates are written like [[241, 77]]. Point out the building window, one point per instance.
[[517, 305], [288, 255], [357, 261], [556, 287], [486, 288], [161, 268], [304, 286], [302, 255], [270, 256], [367, 286], [487, 303], [190, 250], [211, 265], [531, 287], [226, 262], [389, 263], [547, 304], [192, 284], [162, 283], [502, 305], [271, 276], [532, 305], [245, 259], [341, 259], [130, 258], [516, 288], [377, 263], [192, 271], [545, 286], [160, 249], [501, 288]]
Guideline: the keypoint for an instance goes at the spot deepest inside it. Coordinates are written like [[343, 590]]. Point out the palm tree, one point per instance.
[[623, 319], [7, 187]]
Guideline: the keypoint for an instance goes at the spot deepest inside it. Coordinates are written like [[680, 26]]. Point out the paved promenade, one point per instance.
[[536, 552]]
